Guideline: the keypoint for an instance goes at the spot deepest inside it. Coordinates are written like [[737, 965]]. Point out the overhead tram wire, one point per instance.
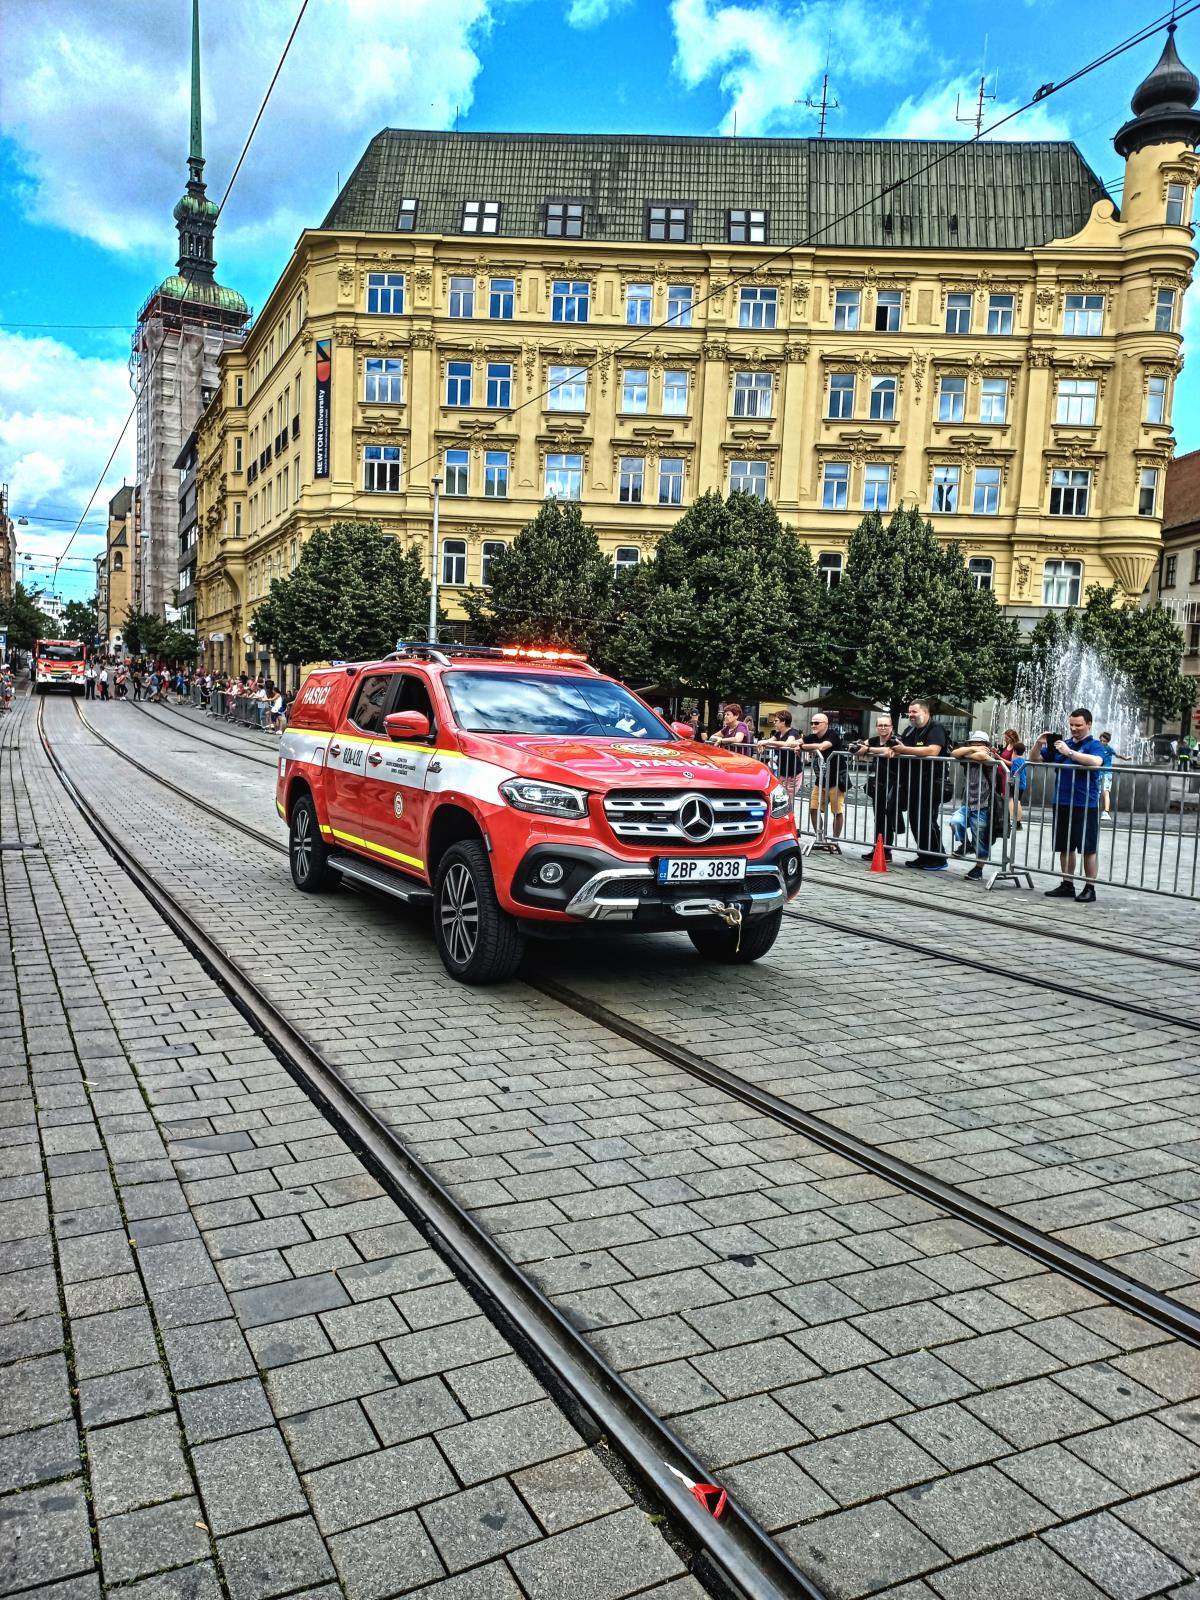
[[1146, 32], [192, 268]]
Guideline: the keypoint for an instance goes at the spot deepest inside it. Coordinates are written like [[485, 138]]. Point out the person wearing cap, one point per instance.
[[974, 815]]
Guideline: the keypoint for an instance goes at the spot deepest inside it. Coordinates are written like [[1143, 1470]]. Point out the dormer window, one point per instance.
[[564, 219], [747, 227], [406, 217], [481, 216], [668, 223]]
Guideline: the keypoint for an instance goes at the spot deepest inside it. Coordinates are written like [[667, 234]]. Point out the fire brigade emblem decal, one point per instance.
[[398, 805]]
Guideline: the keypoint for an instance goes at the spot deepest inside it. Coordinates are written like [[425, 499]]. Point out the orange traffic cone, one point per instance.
[[879, 859]]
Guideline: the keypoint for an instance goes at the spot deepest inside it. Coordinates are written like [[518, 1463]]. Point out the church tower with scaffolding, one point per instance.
[[181, 330]]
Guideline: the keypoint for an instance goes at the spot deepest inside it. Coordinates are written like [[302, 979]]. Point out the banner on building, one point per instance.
[[324, 374]]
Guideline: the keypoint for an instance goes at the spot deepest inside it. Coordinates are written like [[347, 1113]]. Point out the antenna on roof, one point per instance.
[[824, 105], [980, 100], [456, 119]]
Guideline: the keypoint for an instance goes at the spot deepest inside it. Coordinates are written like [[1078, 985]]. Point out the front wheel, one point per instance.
[[307, 855], [722, 944], [477, 941]]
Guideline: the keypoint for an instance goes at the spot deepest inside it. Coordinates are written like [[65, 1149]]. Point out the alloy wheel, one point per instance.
[[459, 914], [302, 844]]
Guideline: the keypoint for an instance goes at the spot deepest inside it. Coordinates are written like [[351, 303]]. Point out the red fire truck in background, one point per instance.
[[59, 664]]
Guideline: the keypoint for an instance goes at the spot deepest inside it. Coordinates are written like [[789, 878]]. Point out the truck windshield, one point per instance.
[[515, 702], [60, 652]]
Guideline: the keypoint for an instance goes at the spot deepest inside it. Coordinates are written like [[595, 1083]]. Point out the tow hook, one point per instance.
[[731, 916]]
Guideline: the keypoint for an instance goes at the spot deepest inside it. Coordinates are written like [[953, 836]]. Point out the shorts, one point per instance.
[[1076, 828], [835, 799], [1106, 779]]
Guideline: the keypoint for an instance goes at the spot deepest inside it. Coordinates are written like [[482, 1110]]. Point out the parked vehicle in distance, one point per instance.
[[523, 794], [59, 664]]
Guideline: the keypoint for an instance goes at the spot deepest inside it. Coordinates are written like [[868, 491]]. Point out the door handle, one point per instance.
[[335, 749], [374, 758]]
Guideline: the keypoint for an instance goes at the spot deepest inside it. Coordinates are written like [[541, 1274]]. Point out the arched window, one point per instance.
[[118, 562]]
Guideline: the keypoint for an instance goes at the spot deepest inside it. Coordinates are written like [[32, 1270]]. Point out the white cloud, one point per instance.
[[934, 114], [99, 111], [590, 13], [767, 58], [59, 415]]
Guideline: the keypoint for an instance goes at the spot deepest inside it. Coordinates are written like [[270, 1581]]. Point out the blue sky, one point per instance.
[[93, 136]]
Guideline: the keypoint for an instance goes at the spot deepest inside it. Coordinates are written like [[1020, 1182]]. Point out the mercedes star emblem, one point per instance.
[[696, 818]]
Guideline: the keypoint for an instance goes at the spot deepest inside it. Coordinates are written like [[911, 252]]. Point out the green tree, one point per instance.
[[24, 618], [80, 620], [553, 585], [354, 592], [1144, 645], [157, 639], [907, 619]]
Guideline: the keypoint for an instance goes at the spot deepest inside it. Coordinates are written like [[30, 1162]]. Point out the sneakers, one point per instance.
[[915, 862], [960, 849], [1106, 816], [936, 866], [1086, 896], [975, 873], [1064, 891]]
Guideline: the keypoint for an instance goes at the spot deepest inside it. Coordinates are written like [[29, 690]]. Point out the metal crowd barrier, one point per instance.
[[1140, 823]]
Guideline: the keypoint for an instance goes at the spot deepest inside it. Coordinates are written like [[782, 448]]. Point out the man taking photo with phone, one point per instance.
[[1079, 759]]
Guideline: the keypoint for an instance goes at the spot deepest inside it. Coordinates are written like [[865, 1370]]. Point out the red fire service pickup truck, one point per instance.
[[521, 793], [59, 664]]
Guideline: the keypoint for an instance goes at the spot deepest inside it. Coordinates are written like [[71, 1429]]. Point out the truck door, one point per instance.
[[394, 801], [346, 758]]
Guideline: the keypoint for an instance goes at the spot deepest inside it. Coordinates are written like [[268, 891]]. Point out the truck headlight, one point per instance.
[[781, 801], [547, 799]]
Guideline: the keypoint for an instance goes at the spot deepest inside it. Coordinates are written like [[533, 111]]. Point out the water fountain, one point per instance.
[[1074, 675]]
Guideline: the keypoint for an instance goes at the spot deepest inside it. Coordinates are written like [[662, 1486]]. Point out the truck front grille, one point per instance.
[[685, 816]]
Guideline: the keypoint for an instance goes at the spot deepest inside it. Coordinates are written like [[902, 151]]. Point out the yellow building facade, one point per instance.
[[627, 323]]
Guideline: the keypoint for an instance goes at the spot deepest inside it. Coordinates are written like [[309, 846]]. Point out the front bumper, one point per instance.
[[598, 887]]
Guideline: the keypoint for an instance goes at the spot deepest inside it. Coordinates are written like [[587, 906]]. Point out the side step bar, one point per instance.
[[373, 877]]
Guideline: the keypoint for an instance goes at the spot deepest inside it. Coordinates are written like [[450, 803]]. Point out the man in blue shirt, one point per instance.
[[1079, 759]]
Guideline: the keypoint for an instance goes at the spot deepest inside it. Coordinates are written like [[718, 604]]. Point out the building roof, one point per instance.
[[1181, 498], [984, 196], [121, 503]]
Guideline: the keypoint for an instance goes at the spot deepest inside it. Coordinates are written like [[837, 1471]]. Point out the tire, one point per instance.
[[721, 944], [307, 855], [477, 941]]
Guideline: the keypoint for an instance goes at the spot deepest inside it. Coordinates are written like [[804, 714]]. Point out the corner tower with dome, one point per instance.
[[181, 330]]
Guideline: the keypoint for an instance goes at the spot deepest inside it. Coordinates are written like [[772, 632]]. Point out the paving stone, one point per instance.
[[1108, 1390], [122, 1395], [35, 1392], [418, 1355], [335, 1433], [247, 1480], [856, 1552], [1172, 1370], [492, 1582], [141, 1542], [621, 1553], [311, 1385], [1025, 1571], [1060, 1480], [837, 1404], [867, 1464], [569, 1489], [776, 1492], [954, 1436], [134, 1464], [478, 1524], [377, 1485], [278, 1343], [836, 1346], [277, 1302], [971, 1510], [368, 1559], [1029, 1414], [753, 1368], [922, 1379], [211, 1352], [673, 1387], [224, 1409], [490, 1446], [274, 1560], [39, 1456], [1139, 1454], [197, 1582], [1115, 1557], [740, 1429], [112, 1342], [44, 1536], [996, 1358], [1171, 1520], [420, 1407]]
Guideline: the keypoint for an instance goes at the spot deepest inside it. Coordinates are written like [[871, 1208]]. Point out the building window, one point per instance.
[[635, 390], [1176, 202], [952, 399], [568, 389], [454, 563], [1164, 311], [1193, 648], [564, 219], [987, 498], [846, 306], [829, 568], [1148, 502], [381, 469], [945, 488], [295, 480], [1000, 315], [495, 476], [383, 381], [835, 485], [1069, 488], [670, 481], [883, 400], [752, 394], [481, 216], [501, 299], [1076, 404], [980, 570], [639, 305], [237, 520], [877, 486], [119, 559], [889, 303], [757, 307], [1196, 566], [958, 313], [237, 454], [748, 477], [458, 383], [747, 227], [499, 385], [1170, 566], [1083, 315], [385, 294], [564, 477], [406, 216], [633, 469], [456, 472], [488, 552], [1061, 582], [626, 555], [569, 301], [239, 391], [993, 400], [1156, 401], [841, 396], [675, 394], [667, 223], [679, 305], [462, 297]]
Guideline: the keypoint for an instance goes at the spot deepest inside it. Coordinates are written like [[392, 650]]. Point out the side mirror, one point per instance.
[[683, 729], [406, 725]]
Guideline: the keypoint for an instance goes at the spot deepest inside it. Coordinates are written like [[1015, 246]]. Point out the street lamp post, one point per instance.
[[433, 580]]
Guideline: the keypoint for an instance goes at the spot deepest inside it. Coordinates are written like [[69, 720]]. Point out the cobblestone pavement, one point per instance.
[[904, 1402], [230, 1367]]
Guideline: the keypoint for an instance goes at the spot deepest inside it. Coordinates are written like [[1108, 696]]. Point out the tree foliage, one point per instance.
[[1144, 645], [146, 635], [80, 620], [907, 619], [24, 618], [354, 592]]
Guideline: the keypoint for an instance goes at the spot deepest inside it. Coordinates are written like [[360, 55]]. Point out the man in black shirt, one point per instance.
[[921, 781], [829, 780]]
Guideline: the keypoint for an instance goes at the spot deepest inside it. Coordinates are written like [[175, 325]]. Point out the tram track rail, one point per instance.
[[1171, 1316]]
